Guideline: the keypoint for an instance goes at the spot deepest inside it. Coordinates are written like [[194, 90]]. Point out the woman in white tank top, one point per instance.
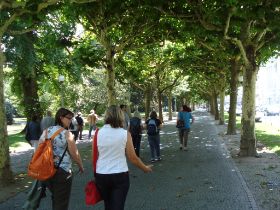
[[114, 145]]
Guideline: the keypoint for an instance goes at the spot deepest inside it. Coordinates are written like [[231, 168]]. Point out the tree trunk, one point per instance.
[[212, 105], [147, 101], [235, 69], [248, 138], [216, 106], [169, 105], [159, 96], [32, 106], [6, 175], [222, 103], [110, 77], [193, 106], [31, 99]]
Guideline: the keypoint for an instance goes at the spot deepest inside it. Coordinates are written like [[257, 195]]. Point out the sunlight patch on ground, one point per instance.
[[19, 147], [267, 150]]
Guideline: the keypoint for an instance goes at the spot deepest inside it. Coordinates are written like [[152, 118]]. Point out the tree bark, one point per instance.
[[216, 106], [234, 71], [159, 98], [212, 104], [110, 77], [31, 99], [248, 138], [222, 110], [32, 106], [147, 93], [6, 175], [169, 105]]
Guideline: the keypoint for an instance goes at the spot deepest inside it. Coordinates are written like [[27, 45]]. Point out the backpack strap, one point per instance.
[[94, 151], [52, 138], [55, 133]]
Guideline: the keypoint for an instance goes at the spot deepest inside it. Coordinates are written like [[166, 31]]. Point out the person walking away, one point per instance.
[[47, 121], [114, 146], [126, 116], [74, 128], [186, 115], [92, 119], [135, 128], [33, 132], [80, 122], [60, 184], [153, 125]]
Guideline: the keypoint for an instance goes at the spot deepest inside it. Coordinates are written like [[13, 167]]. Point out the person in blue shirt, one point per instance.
[[186, 115]]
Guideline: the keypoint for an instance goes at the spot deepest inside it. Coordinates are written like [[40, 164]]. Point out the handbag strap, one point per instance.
[[94, 151]]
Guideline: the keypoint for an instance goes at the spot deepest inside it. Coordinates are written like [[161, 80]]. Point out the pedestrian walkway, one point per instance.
[[202, 178]]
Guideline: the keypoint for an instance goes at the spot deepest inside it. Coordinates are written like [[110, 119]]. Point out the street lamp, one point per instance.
[[61, 80]]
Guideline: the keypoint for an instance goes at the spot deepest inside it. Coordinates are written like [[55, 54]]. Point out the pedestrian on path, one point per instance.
[[74, 128], [92, 119], [135, 128], [153, 125], [60, 184], [114, 145], [126, 116], [80, 122], [47, 121], [186, 115], [33, 132]]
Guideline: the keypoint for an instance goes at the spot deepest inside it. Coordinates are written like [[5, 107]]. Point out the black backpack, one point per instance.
[[152, 128], [135, 126]]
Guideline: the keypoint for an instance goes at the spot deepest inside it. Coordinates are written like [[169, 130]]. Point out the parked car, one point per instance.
[[272, 111], [259, 116], [238, 111]]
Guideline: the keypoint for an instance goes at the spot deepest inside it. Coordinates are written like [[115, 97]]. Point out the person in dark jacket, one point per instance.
[[80, 122], [135, 128], [33, 132]]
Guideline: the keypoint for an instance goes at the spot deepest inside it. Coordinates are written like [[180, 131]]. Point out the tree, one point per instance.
[[117, 27], [11, 11]]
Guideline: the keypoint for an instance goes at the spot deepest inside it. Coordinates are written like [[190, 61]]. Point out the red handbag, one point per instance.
[[92, 194]]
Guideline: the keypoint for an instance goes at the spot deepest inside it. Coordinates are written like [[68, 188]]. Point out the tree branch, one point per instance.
[[234, 39], [11, 32], [82, 1], [206, 46]]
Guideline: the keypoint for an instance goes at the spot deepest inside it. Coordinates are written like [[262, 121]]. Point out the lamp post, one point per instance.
[[61, 80]]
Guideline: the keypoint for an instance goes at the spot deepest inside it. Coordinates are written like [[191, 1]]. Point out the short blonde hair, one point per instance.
[[137, 114], [114, 116]]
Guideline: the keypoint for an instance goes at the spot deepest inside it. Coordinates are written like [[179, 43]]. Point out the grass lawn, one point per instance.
[[266, 133], [17, 140]]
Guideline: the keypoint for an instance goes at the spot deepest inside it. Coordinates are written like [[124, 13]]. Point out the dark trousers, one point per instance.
[[75, 133], [80, 131], [60, 187], [136, 139], [113, 189], [154, 142], [184, 136]]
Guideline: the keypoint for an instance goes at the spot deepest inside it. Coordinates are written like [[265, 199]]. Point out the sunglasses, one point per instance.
[[69, 118]]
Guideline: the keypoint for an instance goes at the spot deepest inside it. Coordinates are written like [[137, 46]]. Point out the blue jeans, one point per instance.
[[154, 142], [91, 127]]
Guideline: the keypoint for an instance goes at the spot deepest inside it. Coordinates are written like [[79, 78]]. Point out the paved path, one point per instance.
[[204, 177]]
